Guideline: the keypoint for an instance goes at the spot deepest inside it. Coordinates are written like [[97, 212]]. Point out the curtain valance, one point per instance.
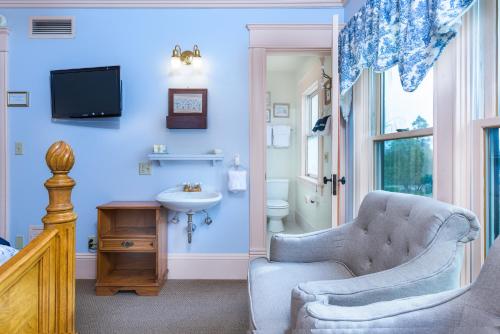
[[409, 33]]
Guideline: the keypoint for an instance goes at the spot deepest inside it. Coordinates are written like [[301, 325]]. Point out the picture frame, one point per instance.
[[281, 110], [268, 100], [18, 99], [187, 108], [268, 115]]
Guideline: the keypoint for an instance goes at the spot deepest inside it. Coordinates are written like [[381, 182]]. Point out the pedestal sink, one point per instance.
[[189, 202]]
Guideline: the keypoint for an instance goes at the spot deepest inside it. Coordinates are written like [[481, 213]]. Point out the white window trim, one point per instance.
[[304, 121], [479, 186]]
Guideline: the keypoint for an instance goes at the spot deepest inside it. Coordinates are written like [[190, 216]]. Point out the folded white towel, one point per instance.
[[237, 180], [269, 135], [281, 135]]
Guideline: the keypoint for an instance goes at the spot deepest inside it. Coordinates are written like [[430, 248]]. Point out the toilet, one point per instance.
[[277, 203]]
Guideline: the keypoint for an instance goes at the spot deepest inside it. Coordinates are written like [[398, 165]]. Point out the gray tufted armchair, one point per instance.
[[473, 309], [399, 245]]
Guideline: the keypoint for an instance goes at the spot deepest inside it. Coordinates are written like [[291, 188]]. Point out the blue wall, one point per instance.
[[107, 153], [352, 7]]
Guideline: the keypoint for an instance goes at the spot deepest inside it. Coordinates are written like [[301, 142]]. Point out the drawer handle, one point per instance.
[[127, 243]]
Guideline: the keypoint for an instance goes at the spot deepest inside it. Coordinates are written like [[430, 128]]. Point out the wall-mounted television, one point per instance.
[[86, 92]]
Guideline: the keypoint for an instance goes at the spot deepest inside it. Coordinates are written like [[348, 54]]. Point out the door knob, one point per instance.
[[326, 180]]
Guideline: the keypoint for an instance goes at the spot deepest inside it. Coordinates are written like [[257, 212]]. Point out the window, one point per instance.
[[403, 135], [311, 141]]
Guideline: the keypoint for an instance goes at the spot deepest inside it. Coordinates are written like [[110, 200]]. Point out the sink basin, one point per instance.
[[177, 200]]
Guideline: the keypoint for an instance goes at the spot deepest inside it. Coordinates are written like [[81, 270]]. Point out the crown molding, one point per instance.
[[171, 3], [271, 27]]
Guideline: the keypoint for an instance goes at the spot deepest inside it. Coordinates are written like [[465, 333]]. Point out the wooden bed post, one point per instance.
[[60, 216]]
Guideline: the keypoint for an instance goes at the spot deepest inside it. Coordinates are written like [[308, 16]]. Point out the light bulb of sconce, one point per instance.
[[196, 57], [175, 62], [197, 63]]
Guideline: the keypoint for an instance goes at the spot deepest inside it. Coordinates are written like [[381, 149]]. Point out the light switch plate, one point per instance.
[[144, 168], [19, 148]]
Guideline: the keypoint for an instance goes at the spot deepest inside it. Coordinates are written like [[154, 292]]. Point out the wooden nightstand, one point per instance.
[[132, 252]]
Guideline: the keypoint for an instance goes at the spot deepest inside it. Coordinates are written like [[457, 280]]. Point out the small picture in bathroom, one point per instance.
[[282, 110], [268, 100], [268, 115]]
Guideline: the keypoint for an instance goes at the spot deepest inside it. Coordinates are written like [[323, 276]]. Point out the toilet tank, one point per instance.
[[277, 189]]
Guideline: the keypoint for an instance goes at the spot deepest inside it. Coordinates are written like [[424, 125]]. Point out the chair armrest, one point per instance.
[[309, 247], [408, 313], [435, 270]]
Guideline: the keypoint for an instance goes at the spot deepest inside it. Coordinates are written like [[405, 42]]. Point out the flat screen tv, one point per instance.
[[86, 92]]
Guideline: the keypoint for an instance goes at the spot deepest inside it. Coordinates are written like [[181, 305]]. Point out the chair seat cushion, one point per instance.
[[271, 284]]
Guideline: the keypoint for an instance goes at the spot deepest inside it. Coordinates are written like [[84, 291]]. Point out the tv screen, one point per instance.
[[86, 92]]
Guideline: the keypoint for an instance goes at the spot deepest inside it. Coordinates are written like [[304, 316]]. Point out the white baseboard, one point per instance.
[[86, 265], [218, 266]]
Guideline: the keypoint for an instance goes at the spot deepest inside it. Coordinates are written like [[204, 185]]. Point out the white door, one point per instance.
[[335, 180]]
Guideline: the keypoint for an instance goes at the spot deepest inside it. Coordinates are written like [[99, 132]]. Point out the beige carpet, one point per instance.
[[183, 307]]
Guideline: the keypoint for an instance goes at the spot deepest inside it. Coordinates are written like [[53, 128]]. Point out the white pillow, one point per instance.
[[6, 253]]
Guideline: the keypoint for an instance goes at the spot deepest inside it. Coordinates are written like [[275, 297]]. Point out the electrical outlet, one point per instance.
[[19, 242], [144, 168], [19, 148], [92, 244]]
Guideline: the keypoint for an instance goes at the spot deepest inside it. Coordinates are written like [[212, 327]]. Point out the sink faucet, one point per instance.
[[188, 187]]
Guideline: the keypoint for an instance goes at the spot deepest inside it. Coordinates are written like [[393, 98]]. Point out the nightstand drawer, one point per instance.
[[130, 245]]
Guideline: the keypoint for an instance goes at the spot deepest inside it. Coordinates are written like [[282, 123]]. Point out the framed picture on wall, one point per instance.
[[187, 109], [18, 99], [281, 110], [268, 115]]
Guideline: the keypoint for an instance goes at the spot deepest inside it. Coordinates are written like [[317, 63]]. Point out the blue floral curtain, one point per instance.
[[409, 33]]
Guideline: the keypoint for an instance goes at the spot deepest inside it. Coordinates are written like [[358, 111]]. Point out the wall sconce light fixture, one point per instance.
[[187, 57]]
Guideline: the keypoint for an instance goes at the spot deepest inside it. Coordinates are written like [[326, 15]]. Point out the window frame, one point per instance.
[[313, 89], [378, 137]]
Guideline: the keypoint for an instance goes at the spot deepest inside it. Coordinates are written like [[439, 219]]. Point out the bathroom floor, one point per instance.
[[290, 228]]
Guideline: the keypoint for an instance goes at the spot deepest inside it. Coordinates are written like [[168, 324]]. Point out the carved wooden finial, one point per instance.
[[60, 158]]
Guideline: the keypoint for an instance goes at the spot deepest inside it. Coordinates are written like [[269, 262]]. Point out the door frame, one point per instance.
[[4, 179], [266, 38]]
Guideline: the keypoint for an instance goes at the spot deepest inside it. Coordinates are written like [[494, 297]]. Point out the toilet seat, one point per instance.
[[277, 204]]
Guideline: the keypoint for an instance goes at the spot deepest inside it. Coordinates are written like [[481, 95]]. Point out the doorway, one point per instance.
[[269, 40], [299, 142]]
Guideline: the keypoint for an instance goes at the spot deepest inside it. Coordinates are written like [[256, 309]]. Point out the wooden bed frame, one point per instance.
[[37, 285]]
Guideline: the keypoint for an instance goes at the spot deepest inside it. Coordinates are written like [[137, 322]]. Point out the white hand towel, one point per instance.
[[269, 135], [281, 135], [237, 180]]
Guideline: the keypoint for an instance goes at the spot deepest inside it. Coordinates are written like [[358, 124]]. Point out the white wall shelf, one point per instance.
[[162, 158]]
